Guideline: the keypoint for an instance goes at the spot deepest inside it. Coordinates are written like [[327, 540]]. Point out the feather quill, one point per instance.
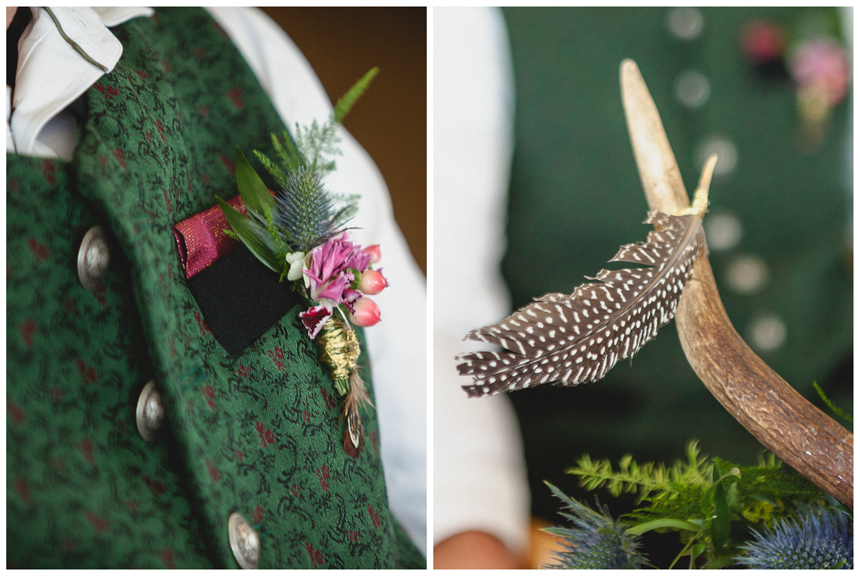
[[576, 338]]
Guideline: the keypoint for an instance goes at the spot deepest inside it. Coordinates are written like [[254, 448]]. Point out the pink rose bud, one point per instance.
[[372, 282], [375, 253], [366, 312]]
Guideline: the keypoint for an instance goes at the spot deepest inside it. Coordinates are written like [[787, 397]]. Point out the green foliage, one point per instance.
[[254, 192], [252, 235], [712, 504], [344, 104], [836, 410], [302, 214], [272, 168]]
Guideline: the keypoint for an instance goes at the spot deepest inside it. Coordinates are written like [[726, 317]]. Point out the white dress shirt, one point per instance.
[[51, 75], [479, 477]]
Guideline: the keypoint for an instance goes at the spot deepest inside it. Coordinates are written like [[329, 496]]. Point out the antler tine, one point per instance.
[[780, 418]]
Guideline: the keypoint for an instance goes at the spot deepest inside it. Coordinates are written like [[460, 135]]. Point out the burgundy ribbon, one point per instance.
[[201, 239]]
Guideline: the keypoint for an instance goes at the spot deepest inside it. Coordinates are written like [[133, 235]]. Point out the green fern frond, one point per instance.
[[643, 479], [277, 174], [288, 154], [275, 235], [316, 142], [344, 104], [836, 410]]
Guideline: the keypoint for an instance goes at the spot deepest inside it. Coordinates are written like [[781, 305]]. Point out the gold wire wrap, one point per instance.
[[339, 351]]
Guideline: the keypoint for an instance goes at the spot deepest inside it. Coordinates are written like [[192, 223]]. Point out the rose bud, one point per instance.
[[375, 253], [366, 312], [372, 282]]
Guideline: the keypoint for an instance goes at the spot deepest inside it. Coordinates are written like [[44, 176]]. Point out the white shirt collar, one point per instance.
[[51, 74]]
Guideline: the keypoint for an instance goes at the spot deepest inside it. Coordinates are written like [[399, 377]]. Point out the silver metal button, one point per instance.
[[244, 542], [93, 257], [150, 411]]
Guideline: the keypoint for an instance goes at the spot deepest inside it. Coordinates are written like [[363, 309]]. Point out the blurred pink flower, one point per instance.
[[763, 41], [822, 63]]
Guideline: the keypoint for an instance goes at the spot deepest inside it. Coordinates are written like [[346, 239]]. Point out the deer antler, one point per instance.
[[766, 405]]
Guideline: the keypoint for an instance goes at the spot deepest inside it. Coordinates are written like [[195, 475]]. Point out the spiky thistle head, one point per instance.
[[820, 539], [305, 210], [596, 540]]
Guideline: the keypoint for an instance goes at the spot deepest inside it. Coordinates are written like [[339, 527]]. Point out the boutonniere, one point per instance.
[[300, 232]]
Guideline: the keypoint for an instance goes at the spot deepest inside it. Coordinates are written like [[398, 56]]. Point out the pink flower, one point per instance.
[[328, 276], [365, 313], [372, 282], [822, 64], [328, 273], [314, 318]]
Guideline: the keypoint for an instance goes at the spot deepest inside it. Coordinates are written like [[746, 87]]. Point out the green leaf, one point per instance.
[[356, 282], [254, 193], [696, 550], [721, 522], [670, 523], [249, 232], [347, 100]]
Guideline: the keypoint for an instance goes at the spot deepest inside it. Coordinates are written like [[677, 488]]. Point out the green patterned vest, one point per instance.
[[258, 433], [575, 198]]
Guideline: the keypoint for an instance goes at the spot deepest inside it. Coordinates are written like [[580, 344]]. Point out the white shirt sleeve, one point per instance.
[[479, 472], [397, 345]]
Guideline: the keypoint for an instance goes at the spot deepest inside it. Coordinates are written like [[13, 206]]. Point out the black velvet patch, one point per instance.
[[240, 299]]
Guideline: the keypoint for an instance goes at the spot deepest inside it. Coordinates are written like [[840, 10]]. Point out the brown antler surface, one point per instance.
[[781, 419]]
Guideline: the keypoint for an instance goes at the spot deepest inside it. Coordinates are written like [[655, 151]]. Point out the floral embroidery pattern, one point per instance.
[[315, 556], [267, 437], [277, 355]]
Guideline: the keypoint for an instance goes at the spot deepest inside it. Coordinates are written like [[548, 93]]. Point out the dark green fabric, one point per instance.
[[259, 433], [575, 197]]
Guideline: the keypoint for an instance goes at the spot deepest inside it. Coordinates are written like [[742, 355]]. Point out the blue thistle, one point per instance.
[[597, 541], [305, 210], [303, 215], [821, 539]]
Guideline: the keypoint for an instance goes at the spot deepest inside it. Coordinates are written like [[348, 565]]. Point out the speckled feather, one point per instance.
[[575, 338]]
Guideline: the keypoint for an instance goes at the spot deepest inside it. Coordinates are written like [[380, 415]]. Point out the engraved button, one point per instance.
[[244, 541], [150, 411], [93, 257]]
